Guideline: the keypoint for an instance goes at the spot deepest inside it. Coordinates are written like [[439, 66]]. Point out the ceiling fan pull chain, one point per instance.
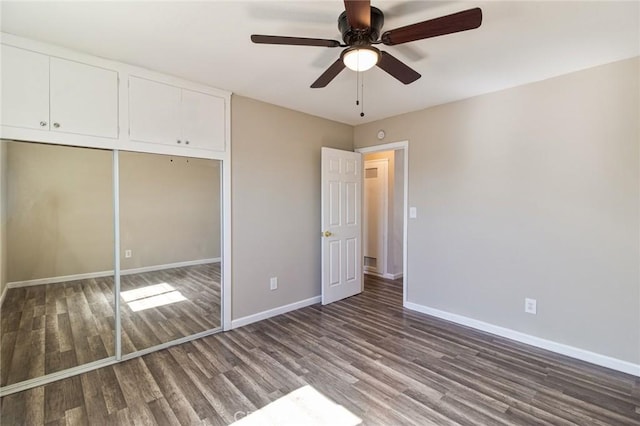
[[357, 88], [362, 96]]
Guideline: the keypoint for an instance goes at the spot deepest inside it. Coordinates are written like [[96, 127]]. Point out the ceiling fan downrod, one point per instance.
[[354, 36]]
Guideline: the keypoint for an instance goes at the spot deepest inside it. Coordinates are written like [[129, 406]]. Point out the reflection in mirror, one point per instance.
[[170, 248], [57, 308]]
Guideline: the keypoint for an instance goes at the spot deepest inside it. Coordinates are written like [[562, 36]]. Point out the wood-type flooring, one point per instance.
[[52, 327], [385, 364]]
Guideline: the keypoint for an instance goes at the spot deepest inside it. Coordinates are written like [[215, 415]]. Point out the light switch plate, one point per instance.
[[413, 212], [530, 306]]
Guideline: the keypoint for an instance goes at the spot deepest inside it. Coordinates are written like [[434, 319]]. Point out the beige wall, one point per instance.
[[60, 210], [169, 209], [3, 208], [276, 202], [530, 192]]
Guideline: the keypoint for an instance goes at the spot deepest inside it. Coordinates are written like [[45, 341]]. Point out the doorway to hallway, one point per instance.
[[384, 212]]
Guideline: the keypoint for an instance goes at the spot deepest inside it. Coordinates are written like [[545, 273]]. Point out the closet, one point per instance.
[[114, 218]]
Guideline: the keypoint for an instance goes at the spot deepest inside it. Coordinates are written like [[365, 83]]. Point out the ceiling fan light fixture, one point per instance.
[[360, 58]]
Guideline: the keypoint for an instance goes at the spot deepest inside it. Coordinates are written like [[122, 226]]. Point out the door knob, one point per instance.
[[43, 123], [327, 233]]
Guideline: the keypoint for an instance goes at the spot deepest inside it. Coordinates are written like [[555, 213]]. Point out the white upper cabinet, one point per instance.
[[83, 98], [165, 114], [203, 120], [25, 88], [52, 94], [154, 111]]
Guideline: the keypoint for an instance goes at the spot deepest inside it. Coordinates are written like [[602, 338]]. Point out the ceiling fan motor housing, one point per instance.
[[359, 37]]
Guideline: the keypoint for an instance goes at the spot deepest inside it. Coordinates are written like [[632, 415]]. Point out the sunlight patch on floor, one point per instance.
[[304, 406], [151, 296], [148, 291]]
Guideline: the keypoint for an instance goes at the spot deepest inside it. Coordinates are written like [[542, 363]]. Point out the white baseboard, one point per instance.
[[169, 266], [60, 279], [392, 276], [274, 312], [3, 295], [386, 275], [560, 348], [76, 277]]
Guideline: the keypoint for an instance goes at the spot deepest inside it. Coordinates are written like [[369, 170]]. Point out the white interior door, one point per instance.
[[341, 224]]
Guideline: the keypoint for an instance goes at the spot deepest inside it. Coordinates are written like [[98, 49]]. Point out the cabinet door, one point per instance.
[[84, 99], [25, 88], [154, 112], [203, 123]]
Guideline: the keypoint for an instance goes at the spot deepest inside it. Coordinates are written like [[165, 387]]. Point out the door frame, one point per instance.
[[404, 145]]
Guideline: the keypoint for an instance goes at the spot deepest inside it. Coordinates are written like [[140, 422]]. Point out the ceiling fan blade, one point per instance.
[[397, 68], [293, 41], [358, 13], [461, 21], [329, 74]]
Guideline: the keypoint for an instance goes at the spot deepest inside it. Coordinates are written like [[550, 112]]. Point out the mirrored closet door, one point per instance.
[[60, 209], [170, 248], [57, 259]]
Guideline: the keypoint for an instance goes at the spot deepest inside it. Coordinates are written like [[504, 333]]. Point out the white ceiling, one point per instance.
[[208, 42]]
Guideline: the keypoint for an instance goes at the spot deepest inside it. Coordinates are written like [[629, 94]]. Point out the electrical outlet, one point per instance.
[[273, 283], [530, 306], [127, 253]]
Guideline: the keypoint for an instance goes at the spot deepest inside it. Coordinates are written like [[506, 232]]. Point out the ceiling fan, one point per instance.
[[360, 25]]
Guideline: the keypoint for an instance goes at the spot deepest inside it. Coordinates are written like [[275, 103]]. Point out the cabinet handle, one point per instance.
[[56, 125], [186, 142], [43, 123], [179, 141]]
